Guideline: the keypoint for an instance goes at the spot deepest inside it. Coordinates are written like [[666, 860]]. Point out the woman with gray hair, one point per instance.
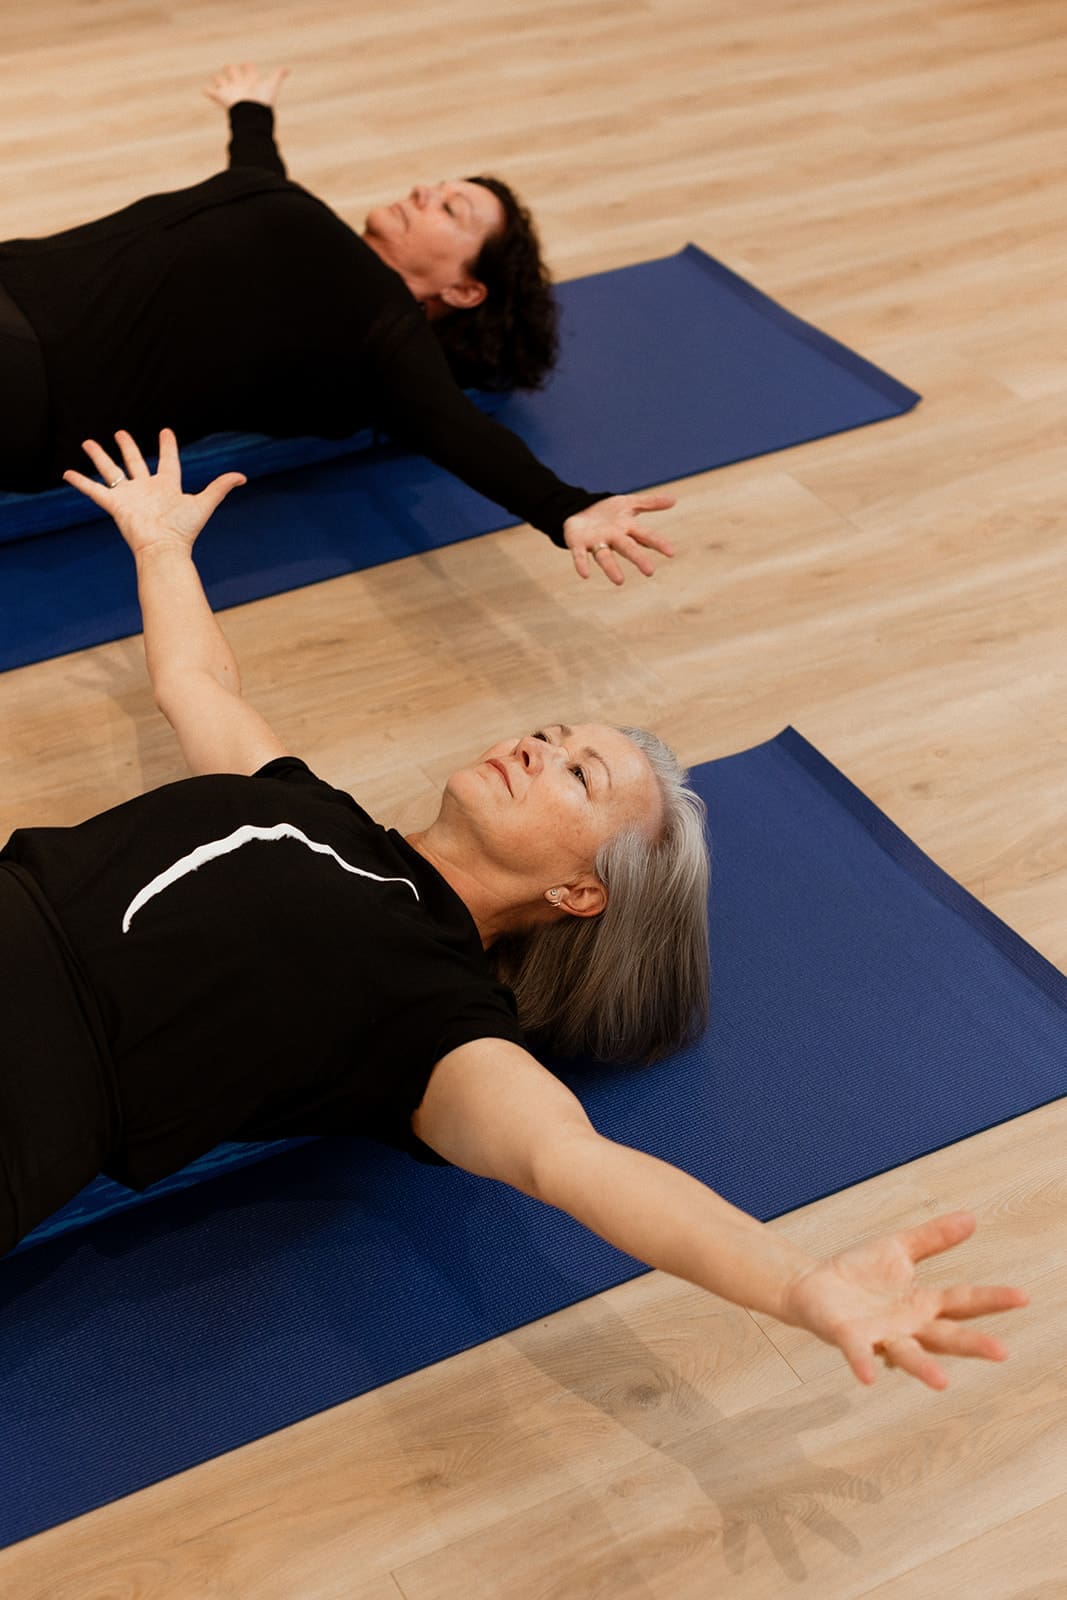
[[246, 954], [631, 983]]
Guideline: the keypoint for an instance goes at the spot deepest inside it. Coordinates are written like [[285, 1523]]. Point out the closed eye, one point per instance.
[[579, 772]]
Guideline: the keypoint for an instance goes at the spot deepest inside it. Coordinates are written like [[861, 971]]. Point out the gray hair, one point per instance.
[[632, 983]]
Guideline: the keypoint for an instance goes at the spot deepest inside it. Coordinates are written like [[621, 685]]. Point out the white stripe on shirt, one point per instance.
[[247, 834]]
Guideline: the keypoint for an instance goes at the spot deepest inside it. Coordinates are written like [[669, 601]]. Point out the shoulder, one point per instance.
[[163, 210], [294, 771]]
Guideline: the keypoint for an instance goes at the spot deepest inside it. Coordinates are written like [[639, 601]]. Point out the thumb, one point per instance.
[[216, 491]]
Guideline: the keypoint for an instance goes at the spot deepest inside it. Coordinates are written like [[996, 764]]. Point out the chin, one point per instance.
[[377, 220], [466, 783], [471, 793]]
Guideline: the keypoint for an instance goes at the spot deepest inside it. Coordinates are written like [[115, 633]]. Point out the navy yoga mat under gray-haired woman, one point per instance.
[[291, 966]]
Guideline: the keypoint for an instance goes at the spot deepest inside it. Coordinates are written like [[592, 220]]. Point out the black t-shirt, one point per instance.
[[245, 303], [268, 961]]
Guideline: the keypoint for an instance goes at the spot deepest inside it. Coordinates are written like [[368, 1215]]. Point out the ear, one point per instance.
[[464, 296], [586, 899]]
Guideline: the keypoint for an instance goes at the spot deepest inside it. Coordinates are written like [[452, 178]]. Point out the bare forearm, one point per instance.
[[182, 636], [490, 1108], [192, 668], [667, 1219]]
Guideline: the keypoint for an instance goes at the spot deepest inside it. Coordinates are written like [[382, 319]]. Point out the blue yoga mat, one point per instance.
[[866, 1011], [668, 368]]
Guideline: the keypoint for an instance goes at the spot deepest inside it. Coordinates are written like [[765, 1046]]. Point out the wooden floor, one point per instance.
[[894, 171]]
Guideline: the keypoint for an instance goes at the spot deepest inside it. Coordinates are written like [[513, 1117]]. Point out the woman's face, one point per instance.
[[434, 235], [544, 804]]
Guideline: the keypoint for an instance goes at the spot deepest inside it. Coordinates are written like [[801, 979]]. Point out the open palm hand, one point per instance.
[[609, 531], [150, 507], [869, 1302], [245, 82]]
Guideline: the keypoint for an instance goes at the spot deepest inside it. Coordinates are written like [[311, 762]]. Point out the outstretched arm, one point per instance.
[[422, 405], [192, 669], [250, 99], [491, 1108]]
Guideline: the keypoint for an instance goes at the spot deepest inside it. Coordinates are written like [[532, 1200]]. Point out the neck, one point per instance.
[[432, 304], [491, 901]]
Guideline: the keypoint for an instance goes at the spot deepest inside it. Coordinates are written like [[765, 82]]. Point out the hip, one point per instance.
[[59, 1109], [24, 409]]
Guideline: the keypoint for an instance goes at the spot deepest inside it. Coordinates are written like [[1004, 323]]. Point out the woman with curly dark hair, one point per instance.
[[511, 340], [244, 303]]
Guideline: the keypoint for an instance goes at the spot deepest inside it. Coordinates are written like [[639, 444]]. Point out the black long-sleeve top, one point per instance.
[[243, 303]]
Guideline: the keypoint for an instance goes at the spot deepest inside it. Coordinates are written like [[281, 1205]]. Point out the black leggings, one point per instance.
[[23, 402], [58, 1106]]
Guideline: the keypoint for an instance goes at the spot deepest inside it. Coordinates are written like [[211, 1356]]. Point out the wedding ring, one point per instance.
[[116, 483]]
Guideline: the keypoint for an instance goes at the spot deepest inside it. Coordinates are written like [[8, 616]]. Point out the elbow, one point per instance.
[[175, 688], [170, 690], [557, 1160], [164, 695]]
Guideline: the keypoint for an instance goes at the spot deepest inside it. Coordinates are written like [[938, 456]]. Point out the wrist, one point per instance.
[[774, 1267], [793, 1308], [151, 549]]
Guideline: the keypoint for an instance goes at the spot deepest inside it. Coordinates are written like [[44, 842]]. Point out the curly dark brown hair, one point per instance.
[[511, 340]]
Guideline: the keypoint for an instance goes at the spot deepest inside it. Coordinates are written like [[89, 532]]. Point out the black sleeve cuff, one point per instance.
[[568, 503], [252, 138]]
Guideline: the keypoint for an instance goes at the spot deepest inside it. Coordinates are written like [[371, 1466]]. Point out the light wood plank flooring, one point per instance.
[[894, 171]]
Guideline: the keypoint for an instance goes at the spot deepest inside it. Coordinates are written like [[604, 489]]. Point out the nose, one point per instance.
[[536, 754], [421, 195]]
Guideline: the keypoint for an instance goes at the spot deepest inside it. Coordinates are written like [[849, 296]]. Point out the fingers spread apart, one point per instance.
[[108, 469], [131, 455], [605, 555], [604, 558], [908, 1354]]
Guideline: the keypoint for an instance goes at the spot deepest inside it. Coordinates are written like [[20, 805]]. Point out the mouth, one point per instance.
[[398, 210], [498, 766]]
